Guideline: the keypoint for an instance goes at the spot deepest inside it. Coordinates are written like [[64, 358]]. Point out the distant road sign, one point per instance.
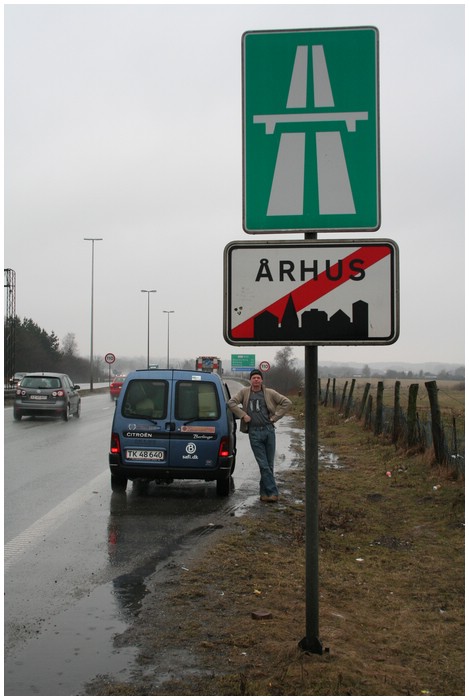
[[311, 130], [243, 363], [110, 358], [264, 366], [315, 293]]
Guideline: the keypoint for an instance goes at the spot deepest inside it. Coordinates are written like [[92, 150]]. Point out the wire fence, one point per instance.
[[423, 423]]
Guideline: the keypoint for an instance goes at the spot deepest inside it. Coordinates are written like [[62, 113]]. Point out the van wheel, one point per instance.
[[17, 414], [118, 483], [223, 486]]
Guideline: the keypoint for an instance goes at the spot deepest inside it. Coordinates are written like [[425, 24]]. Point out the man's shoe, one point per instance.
[[269, 499]]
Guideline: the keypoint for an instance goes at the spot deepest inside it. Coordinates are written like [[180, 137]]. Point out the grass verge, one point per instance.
[[391, 587]]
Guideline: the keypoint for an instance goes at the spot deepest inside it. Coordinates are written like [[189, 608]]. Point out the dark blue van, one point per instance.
[[172, 424]]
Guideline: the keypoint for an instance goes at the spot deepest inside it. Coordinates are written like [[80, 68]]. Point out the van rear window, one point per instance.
[[196, 401], [146, 398]]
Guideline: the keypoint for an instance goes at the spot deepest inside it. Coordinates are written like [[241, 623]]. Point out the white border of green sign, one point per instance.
[[311, 130]]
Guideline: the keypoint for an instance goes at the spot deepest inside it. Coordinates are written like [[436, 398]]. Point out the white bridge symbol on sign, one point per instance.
[[334, 190]]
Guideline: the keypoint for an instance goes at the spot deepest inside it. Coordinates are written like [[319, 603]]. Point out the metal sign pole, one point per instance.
[[311, 641]]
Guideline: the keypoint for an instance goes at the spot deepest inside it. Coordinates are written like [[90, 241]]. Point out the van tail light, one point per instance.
[[59, 392], [115, 444], [224, 449]]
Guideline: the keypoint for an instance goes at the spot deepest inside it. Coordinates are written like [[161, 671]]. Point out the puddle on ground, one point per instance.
[[329, 460], [289, 453], [243, 507], [77, 643]]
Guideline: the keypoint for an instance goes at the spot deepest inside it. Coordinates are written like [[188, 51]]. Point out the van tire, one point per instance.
[[223, 486], [118, 483]]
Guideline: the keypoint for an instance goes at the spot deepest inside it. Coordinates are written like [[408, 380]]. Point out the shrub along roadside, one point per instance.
[[391, 586]]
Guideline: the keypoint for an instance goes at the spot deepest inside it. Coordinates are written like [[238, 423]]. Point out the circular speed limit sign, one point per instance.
[[264, 366], [110, 358]]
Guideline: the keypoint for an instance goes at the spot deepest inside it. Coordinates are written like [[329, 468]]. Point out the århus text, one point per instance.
[[287, 269]]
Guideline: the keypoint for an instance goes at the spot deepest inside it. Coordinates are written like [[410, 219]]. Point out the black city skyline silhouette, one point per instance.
[[315, 324]]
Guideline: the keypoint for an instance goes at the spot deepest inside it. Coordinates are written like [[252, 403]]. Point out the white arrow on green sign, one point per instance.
[[311, 130]]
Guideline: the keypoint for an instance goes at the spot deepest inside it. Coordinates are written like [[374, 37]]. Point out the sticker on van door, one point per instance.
[[191, 449], [200, 432], [197, 429]]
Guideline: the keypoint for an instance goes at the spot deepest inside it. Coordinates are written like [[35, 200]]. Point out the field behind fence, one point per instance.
[[416, 415]]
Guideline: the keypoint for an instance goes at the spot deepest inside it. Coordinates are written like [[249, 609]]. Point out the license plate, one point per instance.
[[148, 455], [38, 397]]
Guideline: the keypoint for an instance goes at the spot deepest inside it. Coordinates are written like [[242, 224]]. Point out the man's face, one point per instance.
[[256, 382]]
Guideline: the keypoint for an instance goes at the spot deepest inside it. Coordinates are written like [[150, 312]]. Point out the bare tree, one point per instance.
[[69, 345], [284, 376]]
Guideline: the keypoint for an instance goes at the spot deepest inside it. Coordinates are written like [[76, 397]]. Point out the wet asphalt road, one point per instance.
[[77, 556]]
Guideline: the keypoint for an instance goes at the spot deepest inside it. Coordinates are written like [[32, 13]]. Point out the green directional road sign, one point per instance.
[[311, 130], [243, 363]]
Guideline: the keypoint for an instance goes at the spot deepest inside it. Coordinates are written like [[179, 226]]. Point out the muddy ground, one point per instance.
[[228, 621]]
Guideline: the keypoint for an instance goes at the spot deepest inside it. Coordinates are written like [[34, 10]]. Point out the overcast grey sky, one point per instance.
[[123, 122]]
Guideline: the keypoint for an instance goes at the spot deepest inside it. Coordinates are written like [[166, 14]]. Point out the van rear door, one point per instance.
[[198, 421], [146, 420]]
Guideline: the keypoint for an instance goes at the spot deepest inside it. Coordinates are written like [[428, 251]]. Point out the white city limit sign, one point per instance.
[[314, 293], [311, 130]]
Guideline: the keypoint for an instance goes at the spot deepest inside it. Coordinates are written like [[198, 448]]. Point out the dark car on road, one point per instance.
[[116, 385], [47, 393]]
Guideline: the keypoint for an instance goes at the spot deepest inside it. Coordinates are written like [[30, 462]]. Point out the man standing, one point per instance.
[[259, 408]]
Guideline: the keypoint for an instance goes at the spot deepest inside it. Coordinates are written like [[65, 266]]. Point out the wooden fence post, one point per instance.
[[438, 434], [397, 411], [454, 438], [379, 409], [412, 415], [369, 412], [363, 403], [349, 400], [343, 396], [334, 397], [327, 391]]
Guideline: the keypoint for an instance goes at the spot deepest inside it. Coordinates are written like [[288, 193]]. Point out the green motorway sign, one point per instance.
[[311, 130]]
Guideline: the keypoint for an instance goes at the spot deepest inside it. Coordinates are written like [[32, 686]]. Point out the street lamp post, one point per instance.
[[167, 352], [92, 305], [148, 292]]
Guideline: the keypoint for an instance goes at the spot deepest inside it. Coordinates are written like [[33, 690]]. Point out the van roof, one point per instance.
[[175, 374]]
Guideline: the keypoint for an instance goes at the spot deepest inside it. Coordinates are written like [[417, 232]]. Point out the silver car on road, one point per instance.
[[43, 393]]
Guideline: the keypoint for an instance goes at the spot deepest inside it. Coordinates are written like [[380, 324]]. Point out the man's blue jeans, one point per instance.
[[263, 446]]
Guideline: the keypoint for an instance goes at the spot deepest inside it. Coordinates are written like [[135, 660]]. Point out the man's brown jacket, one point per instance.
[[277, 405]]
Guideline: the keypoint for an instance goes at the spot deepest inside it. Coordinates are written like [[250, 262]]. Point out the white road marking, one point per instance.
[[27, 539]]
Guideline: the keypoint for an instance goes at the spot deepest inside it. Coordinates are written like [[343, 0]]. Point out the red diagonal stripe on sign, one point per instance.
[[314, 289]]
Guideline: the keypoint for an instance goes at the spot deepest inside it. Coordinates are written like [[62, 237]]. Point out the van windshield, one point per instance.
[[196, 401], [146, 398]]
